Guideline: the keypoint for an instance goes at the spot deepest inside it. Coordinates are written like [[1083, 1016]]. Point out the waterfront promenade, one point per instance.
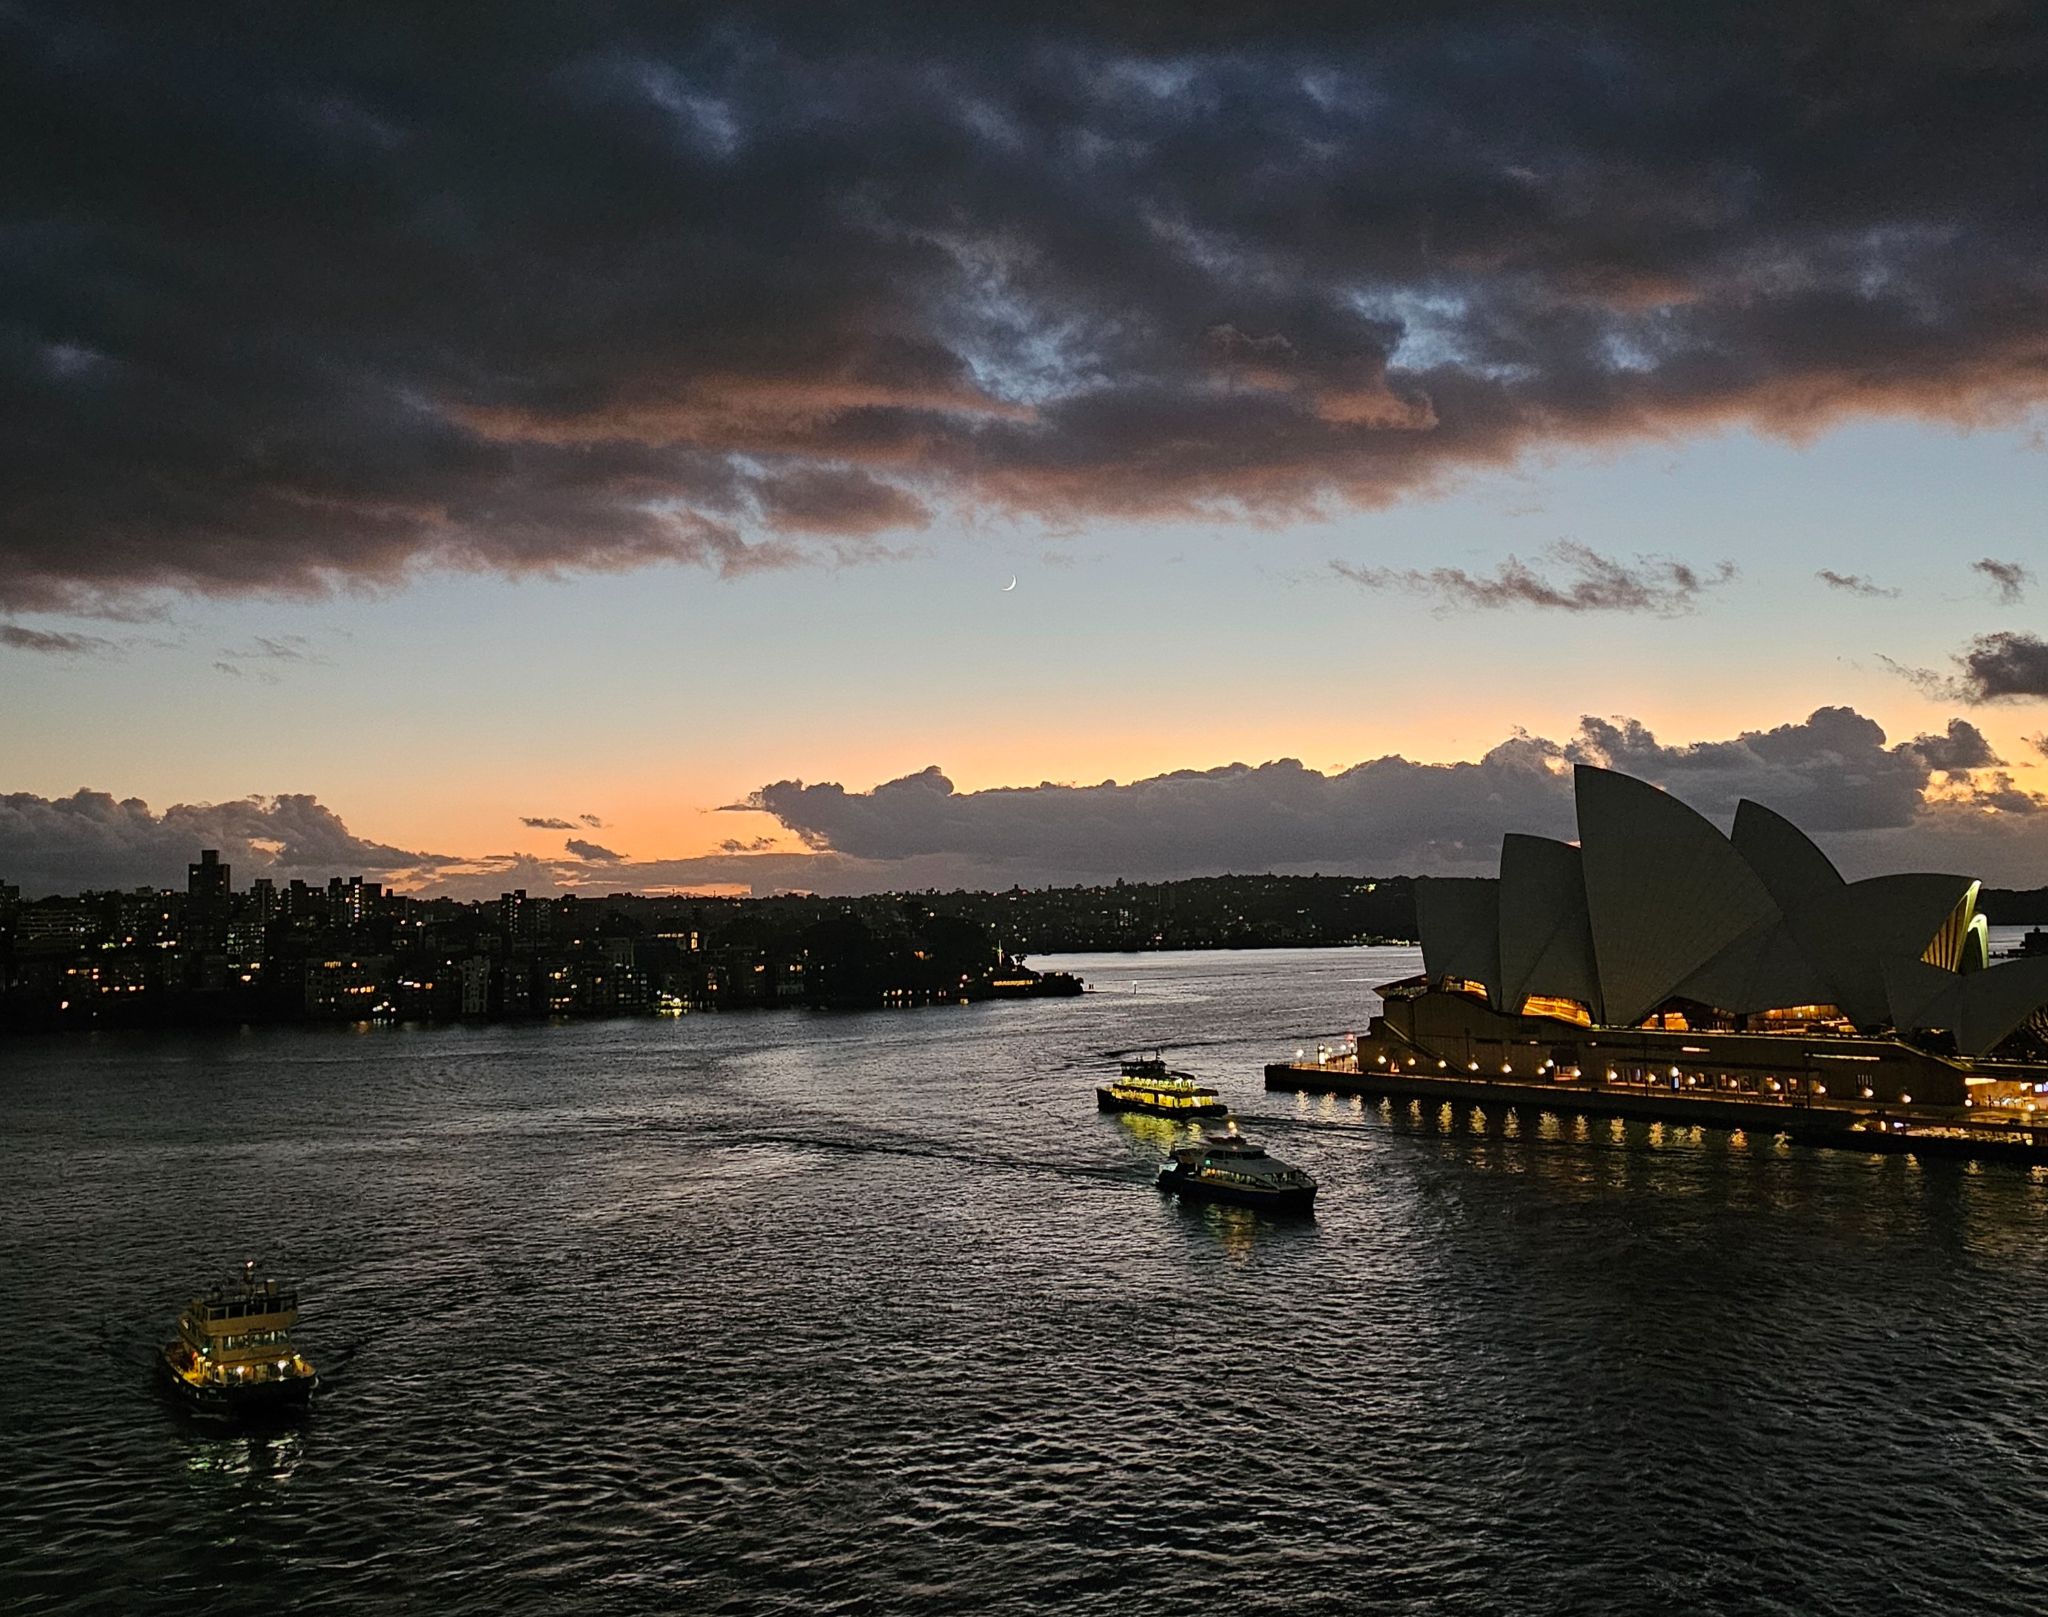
[[2000, 1134]]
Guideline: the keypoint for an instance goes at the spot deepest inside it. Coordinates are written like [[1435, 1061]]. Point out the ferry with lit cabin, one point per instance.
[[1230, 1168], [1146, 1085], [233, 1355]]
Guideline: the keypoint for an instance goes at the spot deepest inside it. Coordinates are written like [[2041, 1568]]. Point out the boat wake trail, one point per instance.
[[940, 1153]]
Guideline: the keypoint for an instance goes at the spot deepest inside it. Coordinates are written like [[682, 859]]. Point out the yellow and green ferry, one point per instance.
[[1147, 1085], [233, 1355]]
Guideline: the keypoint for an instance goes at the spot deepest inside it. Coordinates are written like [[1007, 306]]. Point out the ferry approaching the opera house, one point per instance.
[[233, 1355], [1230, 1168], [1659, 969], [1147, 1085]]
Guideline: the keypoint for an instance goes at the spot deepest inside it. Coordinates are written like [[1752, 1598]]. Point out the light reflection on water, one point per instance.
[[878, 1313], [267, 1458]]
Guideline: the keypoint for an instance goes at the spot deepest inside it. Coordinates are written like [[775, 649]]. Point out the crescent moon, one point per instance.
[[1011, 585]]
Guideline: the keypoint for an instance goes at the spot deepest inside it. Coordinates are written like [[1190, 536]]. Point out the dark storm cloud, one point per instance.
[[1577, 579], [302, 296], [91, 839], [579, 849], [2009, 578], [2005, 666], [2008, 666], [1964, 747], [1832, 771], [1854, 584]]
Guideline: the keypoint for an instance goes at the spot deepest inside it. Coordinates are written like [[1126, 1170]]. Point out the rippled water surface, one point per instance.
[[804, 1313]]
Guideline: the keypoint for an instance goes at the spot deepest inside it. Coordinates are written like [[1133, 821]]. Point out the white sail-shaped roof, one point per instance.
[[1998, 999], [1921, 996], [1459, 918], [1850, 933], [1840, 931], [1765, 969], [1952, 943], [1783, 856], [1546, 942], [1666, 893], [1979, 1007], [1655, 904]]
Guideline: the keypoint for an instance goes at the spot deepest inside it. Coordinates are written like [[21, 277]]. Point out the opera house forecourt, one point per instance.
[[1660, 969]]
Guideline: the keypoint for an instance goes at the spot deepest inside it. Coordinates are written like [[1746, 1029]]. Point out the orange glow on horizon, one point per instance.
[[652, 811]]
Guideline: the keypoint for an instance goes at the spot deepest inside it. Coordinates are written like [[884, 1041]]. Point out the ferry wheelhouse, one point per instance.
[[1230, 1168], [233, 1354], [1146, 1085]]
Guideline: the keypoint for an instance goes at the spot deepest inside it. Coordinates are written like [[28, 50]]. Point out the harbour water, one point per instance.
[[875, 1313]]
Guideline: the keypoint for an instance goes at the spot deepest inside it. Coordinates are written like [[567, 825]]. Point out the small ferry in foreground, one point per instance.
[[1145, 1085], [233, 1355], [1230, 1168]]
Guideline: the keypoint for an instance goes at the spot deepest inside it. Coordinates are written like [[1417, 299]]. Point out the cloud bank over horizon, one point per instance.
[[1939, 800], [1934, 798], [303, 304], [92, 839]]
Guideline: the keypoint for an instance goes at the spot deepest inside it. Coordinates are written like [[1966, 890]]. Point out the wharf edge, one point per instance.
[[1802, 1124]]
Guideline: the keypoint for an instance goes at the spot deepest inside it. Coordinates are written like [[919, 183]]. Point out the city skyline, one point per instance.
[[671, 442]]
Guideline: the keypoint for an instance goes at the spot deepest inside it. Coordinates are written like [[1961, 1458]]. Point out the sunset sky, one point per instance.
[[517, 450]]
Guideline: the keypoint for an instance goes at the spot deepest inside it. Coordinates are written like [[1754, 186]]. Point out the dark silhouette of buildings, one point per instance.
[[349, 951], [209, 903]]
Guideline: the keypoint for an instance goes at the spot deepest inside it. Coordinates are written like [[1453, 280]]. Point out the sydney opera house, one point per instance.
[[1659, 955]]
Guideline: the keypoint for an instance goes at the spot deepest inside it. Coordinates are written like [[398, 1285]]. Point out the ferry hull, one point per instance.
[[1299, 1202], [1105, 1101], [257, 1400]]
